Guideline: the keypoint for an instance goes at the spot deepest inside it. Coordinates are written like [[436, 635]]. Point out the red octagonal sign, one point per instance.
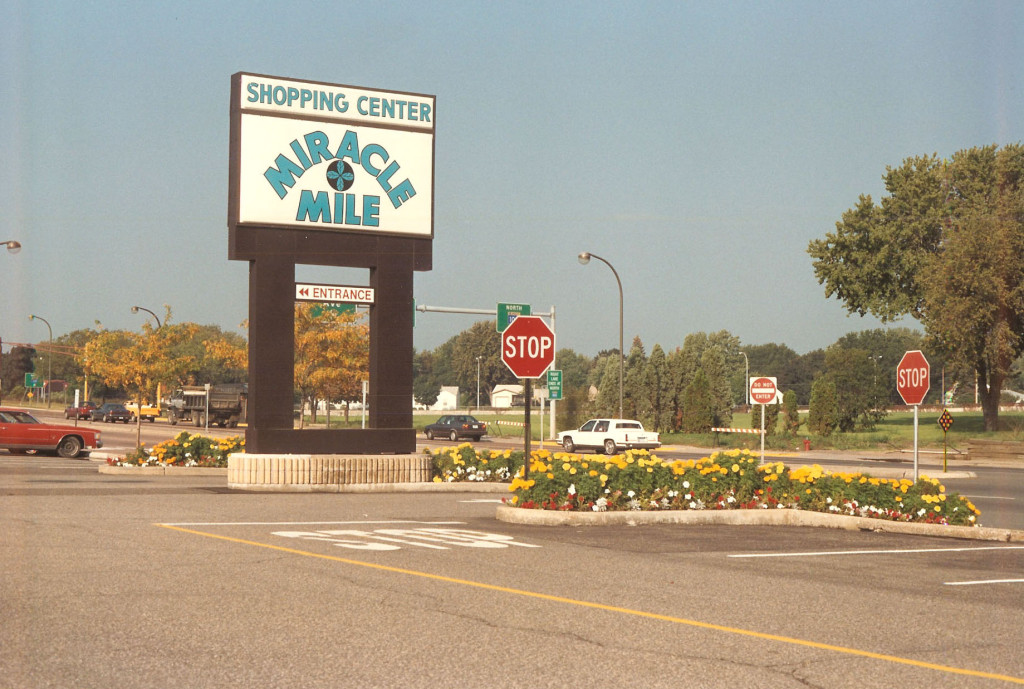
[[912, 377], [528, 347]]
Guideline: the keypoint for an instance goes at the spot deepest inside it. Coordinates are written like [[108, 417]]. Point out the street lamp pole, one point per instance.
[[49, 358], [478, 385], [746, 380], [136, 309], [584, 259]]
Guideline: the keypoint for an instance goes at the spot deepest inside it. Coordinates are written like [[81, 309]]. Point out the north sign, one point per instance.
[[912, 377], [528, 347]]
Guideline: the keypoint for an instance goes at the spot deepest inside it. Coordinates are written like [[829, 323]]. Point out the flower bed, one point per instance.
[[638, 480], [185, 451]]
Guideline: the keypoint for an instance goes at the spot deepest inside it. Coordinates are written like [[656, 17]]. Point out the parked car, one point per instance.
[[112, 413], [455, 426], [82, 412], [610, 435], [19, 430]]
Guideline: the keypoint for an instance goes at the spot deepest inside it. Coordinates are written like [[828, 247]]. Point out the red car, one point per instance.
[[19, 430]]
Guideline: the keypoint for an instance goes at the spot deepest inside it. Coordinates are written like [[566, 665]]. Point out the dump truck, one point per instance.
[[225, 407]]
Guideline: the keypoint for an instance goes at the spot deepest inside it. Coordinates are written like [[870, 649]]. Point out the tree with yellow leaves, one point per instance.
[[332, 355]]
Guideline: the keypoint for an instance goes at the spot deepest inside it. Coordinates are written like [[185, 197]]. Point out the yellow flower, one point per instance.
[[735, 468]]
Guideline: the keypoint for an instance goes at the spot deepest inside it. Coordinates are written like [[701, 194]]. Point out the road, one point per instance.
[[139, 581]]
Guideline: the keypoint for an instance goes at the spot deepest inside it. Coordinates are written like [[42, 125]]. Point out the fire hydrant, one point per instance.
[[807, 444]]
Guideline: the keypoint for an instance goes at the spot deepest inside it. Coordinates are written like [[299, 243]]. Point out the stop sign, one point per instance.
[[528, 347], [912, 377]]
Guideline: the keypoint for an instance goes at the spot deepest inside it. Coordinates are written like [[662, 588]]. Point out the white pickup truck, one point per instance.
[[609, 435]]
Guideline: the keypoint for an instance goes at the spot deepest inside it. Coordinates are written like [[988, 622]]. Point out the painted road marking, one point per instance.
[[488, 500], [878, 552], [611, 608], [436, 539], [364, 521], [984, 581]]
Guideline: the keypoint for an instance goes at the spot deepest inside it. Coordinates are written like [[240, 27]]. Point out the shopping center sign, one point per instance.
[[332, 157]]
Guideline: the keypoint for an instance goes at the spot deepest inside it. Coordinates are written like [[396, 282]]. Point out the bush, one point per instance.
[[638, 480], [184, 450]]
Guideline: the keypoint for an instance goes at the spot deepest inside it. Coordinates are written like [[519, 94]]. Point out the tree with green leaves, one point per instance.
[[823, 417], [790, 413], [698, 412], [945, 246]]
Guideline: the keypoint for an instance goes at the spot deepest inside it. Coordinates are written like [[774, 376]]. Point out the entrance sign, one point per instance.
[[912, 382], [330, 175], [333, 294], [763, 389], [528, 347], [912, 377]]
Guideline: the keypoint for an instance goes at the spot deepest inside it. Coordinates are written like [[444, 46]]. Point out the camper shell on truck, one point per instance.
[[226, 405]]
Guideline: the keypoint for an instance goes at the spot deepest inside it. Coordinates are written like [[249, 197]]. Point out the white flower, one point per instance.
[[686, 484], [572, 489], [693, 505], [631, 494], [731, 499]]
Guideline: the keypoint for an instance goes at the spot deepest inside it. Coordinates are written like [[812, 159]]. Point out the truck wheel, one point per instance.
[[69, 447], [172, 419], [609, 447], [568, 445]]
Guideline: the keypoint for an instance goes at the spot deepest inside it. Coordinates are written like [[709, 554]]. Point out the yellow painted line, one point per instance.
[[613, 608]]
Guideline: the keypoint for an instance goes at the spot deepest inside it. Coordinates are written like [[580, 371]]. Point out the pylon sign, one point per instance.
[[528, 347]]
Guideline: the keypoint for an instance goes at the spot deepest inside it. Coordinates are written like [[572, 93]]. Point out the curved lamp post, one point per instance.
[[136, 309], [12, 246], [584, 259], [49, 358]]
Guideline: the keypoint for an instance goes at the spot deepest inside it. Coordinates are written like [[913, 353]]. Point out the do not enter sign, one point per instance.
[[912, 377], [763, 390], [528, 347]]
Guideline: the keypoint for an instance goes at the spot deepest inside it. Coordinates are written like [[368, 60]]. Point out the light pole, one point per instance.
[[49, 358], [136, 309], [584, 259], [12, 246], [746, 380], [478, 385]]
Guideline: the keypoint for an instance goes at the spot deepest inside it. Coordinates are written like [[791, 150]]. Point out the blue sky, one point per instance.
[[698, 147]]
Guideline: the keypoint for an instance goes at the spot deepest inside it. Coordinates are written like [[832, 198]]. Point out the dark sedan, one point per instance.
[[112, 413], [455, 426]]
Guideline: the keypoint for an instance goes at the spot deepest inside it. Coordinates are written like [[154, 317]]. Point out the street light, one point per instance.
[[584, 259], [12, 246], [478, 385], [49, 358], [746, 381], [136, 309]]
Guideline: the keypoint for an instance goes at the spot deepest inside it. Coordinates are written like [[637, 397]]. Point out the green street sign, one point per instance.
[[318, 310], [507, 313], [554, 384], [31, 380]]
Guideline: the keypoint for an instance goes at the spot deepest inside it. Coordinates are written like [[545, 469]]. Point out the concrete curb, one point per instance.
[[163, 470], [748, 517], [416, 487]]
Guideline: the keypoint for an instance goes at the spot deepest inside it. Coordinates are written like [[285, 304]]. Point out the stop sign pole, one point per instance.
[[913, 378], [528, 349]]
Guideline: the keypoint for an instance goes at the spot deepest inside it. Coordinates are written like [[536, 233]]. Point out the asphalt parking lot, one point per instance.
[[165, 581]]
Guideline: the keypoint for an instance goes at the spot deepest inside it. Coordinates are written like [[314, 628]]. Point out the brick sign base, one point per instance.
[[323, 473]]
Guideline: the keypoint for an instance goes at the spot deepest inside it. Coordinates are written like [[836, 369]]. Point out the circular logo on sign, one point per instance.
[[339, 175]]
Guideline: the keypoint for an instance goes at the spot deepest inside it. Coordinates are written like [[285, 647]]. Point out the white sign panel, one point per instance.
[[325, 157], [333, 294]]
